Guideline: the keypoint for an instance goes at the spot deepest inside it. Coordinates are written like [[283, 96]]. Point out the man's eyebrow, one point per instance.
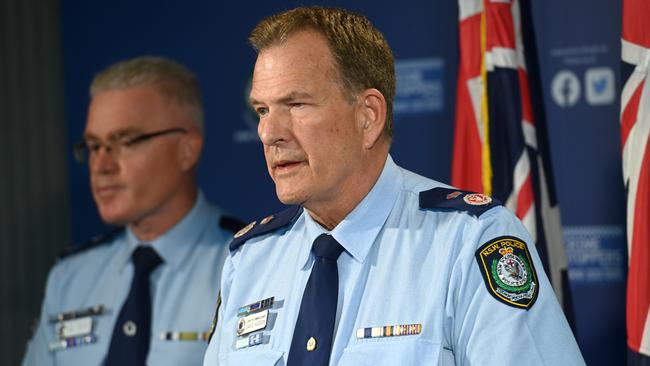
[[115, 134], [293, 96], [252, 101], [284, 99]]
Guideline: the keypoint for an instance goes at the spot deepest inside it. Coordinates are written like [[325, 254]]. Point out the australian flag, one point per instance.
[[635, 136], [500, 139]]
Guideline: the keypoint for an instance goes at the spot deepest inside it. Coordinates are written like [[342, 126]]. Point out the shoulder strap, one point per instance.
[[453, 199], [267, 224], [96, 241]]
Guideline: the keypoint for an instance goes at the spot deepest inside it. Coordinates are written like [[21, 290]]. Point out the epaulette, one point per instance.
[[267, 224], [231, 223], [454, 199], [92, 243]]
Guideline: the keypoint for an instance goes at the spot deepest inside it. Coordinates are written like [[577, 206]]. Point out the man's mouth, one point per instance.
[[106, 190], [282, 166]]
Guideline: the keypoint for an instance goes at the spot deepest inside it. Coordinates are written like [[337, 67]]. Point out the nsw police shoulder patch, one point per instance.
[[508, 271]]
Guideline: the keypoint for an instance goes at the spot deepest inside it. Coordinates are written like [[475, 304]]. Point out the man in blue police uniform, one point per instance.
[[373, 265], [144, 294]]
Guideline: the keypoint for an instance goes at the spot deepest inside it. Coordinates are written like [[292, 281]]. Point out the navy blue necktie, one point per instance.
[[132, 332], [312, 337]]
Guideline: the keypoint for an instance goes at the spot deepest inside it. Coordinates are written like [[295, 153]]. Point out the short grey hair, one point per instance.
[[171, 79]]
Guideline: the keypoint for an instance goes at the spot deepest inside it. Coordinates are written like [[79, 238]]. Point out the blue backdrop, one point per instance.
[[579, 54]]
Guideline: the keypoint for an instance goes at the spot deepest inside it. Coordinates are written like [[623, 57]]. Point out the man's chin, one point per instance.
[[290, 198], [114, 218]]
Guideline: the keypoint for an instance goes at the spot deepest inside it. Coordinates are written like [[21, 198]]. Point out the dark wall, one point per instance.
[[34, 210]]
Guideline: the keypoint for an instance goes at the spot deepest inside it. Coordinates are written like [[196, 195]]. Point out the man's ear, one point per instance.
[[372, 116], [190, 150]]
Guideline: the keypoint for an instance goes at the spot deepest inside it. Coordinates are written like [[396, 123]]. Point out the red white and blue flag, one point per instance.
[[500, 139], [635, 136]]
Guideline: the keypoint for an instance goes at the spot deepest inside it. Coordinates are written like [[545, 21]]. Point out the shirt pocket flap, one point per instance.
[[254, 357], [392, 352]]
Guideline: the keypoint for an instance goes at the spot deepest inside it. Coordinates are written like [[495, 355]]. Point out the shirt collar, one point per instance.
[[170, 245], [359, 229]]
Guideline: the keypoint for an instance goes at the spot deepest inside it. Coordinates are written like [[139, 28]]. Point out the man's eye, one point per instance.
[[126, 141], [93, 146], [261, 111]]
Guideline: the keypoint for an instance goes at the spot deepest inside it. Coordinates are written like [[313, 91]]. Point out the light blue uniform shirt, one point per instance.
[[184, 291], [402, 265]]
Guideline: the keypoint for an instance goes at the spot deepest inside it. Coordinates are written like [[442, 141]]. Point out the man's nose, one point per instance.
[[273, 128], [103, 161]]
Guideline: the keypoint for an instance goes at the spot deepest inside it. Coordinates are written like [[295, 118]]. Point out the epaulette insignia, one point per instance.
[[267, 219], [245, 230], [231, 223], [92, 243], [454, 199], [508, 271], [267, 224]]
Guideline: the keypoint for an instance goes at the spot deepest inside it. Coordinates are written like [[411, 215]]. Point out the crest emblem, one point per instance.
[[477, 199], [508, 271]]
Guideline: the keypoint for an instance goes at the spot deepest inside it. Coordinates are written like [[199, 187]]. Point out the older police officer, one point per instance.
[[145, 293], [373, 265]]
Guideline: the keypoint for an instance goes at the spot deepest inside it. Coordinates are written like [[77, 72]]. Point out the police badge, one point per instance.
[[508, 271]]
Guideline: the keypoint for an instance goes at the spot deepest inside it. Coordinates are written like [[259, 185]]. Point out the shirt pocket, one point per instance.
[[173, 353], [255, 357], [393, 352], [86, 354]]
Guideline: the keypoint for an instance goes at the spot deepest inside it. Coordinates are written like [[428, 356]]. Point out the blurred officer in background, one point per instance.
[[145, 293], [373, 265]]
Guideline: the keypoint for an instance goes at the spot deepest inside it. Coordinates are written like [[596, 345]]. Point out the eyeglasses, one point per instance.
[[85, 150]]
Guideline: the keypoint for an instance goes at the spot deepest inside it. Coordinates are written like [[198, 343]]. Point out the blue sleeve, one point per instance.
[[488, 330]]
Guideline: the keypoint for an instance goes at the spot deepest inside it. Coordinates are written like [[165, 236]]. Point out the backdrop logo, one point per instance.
[[247, 132], [565, 88], [599, 86], [419, 86], [596, 254]]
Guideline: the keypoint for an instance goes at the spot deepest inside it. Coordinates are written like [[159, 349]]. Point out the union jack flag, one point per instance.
[[500, 140], [635, 134]]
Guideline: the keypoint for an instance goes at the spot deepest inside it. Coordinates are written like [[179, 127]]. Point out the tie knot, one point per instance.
[[145, 259], [327, 247]]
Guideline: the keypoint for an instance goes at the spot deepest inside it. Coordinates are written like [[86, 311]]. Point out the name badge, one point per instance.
[[251, 340], [74, 327], [251, 323]]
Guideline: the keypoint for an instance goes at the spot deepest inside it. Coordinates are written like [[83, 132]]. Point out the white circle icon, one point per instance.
[[565, 88], [129, 328]]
